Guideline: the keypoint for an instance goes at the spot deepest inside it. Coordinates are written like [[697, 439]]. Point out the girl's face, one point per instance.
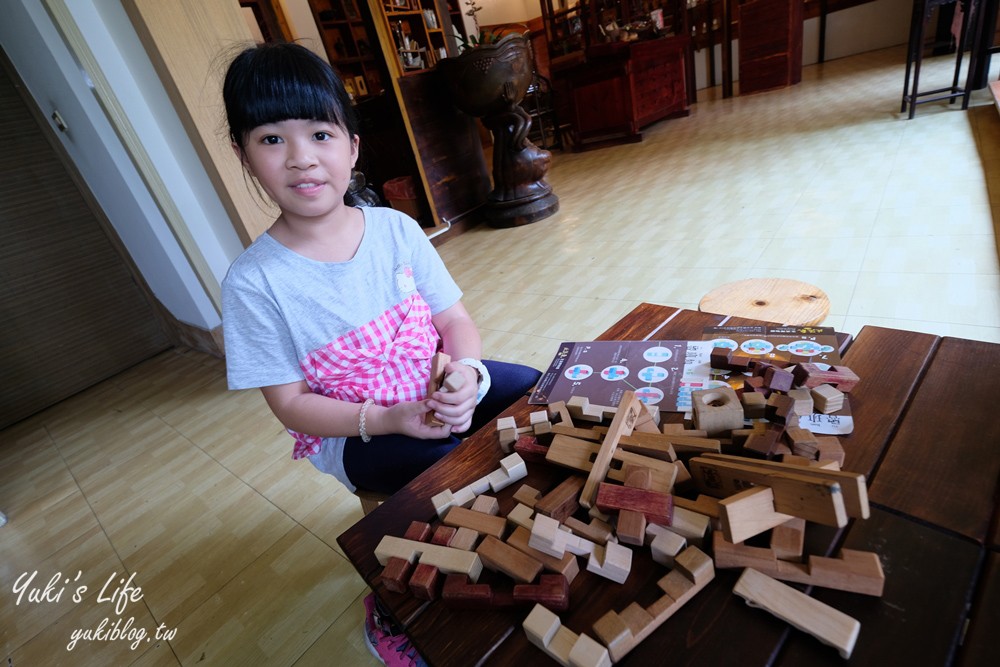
[[303, 165]]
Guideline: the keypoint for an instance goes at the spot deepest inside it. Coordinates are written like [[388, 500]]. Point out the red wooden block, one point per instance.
[[396, 574], [425, 581], [443, 535], [778, 379], [419, 531], [781, 409], [460, 593], [657, 507], [810, 375], [530, 450], [552, 591]]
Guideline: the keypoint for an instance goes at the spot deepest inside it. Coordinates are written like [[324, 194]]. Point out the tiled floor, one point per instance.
[[823, 182], [163, 474]]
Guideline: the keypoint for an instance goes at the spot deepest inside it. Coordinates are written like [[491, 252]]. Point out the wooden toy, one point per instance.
[[612, 561], [562, 501], [811, 376], [529, 449], [822, 621], [716, 410], [657, 507], [827, 398], [577, 454], [446, 559], [425, 582], [788, 539], [622, 631], [551, 591], [597, 531], [753, 405], [438, 362], [622, 424], [487, 524], [665, 544], [749, 513], [828, 448], [458, 591], [501, 557], [802, 441], [544, 629], [810, 497], [803, 400], [852, 571], [521, 515], [566, 565], [778, 379], [397, 571], [527, 495]]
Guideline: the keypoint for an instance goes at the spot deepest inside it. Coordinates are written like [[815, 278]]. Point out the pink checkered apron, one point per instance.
[[387, 360]]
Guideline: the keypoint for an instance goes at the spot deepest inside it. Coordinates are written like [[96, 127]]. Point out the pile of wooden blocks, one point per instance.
[[682, 493]]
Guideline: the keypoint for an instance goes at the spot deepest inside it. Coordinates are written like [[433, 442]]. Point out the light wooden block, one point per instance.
[[716, 410], [749, 513], [544, 629], [521, 515], [446, 559], [438, 362], [567, 565], [622, 424], [486, 505], [612, 561], [464, 539], [487, 524], [665, 544], [501, 557], [527, 495], [822, 621]]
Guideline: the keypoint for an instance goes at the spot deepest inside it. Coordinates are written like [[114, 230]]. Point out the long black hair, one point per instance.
[[269, 83]]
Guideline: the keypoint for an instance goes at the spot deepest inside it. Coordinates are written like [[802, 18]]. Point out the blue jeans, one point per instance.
[[389, 462]]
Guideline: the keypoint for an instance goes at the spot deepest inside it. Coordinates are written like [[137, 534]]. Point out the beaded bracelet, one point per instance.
[[361, 420]]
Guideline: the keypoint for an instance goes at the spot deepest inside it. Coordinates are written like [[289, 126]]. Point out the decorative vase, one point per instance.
[[489, 81]]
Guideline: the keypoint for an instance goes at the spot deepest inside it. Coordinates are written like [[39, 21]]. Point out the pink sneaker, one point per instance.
[[392, 649]]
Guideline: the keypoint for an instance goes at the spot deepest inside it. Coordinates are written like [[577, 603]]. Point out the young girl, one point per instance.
[[335, 312]]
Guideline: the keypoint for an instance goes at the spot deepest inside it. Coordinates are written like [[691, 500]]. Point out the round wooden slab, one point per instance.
[[770, 299]]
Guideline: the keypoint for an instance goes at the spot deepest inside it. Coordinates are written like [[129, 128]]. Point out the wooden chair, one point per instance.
[[369, 499]]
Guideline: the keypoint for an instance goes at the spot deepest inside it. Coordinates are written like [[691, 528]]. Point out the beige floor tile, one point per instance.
[[931, 297], [930, 254], [343, 639], [274, 609]]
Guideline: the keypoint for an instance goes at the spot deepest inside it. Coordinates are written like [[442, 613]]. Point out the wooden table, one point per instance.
[[927, 435]]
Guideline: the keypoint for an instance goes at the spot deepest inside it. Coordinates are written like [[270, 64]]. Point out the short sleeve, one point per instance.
[[434, 282]]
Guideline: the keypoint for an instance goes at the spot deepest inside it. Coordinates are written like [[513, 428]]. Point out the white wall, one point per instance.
[[56, 81]]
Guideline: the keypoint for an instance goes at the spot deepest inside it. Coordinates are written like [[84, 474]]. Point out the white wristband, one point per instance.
[[362, 430], [484, 376]]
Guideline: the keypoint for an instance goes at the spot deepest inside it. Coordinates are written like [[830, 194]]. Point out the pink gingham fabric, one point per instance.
[[387, 359]]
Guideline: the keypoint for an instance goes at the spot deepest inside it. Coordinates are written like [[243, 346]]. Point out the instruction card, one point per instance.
[[662, 373]]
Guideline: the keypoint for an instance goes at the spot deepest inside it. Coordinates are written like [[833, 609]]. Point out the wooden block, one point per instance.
[[611, 561], [425, 582], [676, 428], [563, 500], [486, 505], [812, 498], [780, 408], [527, 495], [544, 629], [649, 419], [665, 544], [566, 565], [443, 535], [464, 539], [512, 468], [438, 362], [778, 379], [521, 515], [506, 423], [487, 524], [447, 559], [507, 438], [597, 531], [827, 624], [576, 454], [630, 527], [419, 531], [542, 428], [396, 574], [753, 405], [749, 513], [622, 424], [657, 507], [558, 413], [764, 443], [538, 417], [827, 398], [692, 525], [551, 591], [501, 557], [802, 441], [828, 448], [590, 434], [788, 539], [811, 375], [703, 504], [529, 449], [453, 381], [716, 410], [852, 484], [803, 400], [653, 445], [459, 592], [621, 632], [443, 502]]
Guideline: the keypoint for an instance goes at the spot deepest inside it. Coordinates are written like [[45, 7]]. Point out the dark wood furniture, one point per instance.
[[770, 33], [927, 438]]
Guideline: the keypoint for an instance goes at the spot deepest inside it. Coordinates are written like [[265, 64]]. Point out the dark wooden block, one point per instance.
[[425, 581]]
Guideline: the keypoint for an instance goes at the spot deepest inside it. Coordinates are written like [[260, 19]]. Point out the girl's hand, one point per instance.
[[455, 408], [408, 418]]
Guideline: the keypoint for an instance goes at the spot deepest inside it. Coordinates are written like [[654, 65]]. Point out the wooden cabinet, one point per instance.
[[350, 45], [770, 44], [619, 65]]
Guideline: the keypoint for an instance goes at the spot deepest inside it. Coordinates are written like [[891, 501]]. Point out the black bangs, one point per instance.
[[270, 83]]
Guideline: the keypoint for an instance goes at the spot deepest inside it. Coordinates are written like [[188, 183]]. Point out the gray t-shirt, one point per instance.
[[279, 308]]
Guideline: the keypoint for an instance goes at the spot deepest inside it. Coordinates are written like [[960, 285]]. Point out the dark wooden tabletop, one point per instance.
[[927, 436]]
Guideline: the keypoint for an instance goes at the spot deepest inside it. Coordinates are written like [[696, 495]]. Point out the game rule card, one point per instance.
[[662, 373]]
